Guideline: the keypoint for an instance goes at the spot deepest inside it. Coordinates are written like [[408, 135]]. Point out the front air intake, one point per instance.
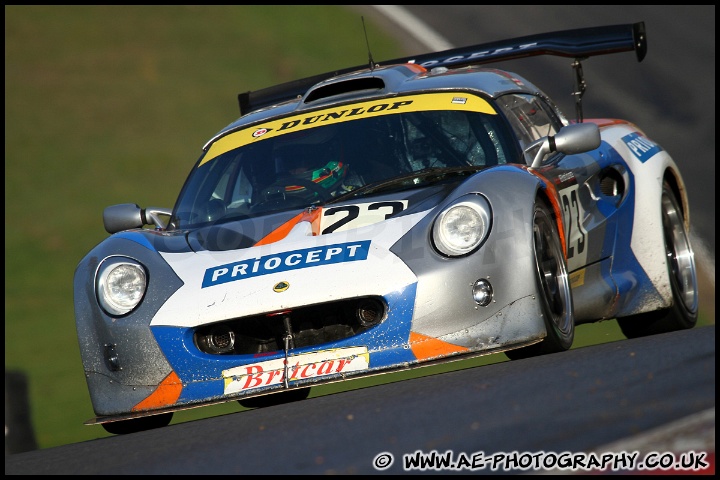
[[347, 86], [308, 326]]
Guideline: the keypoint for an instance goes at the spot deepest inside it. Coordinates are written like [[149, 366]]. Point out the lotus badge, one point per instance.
[[281, 287]]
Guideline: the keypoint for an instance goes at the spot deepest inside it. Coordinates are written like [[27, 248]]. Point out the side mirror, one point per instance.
[[571, 139], [126, 216]]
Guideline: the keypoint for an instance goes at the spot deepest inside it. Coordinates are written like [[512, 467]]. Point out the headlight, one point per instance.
[[463, 226], [121, 285]]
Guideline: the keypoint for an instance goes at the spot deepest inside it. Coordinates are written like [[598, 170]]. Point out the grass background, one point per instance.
[[112, 104]]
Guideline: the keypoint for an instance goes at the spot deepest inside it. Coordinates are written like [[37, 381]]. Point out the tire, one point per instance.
[[683, 278], [123, 427], [554, 288], [273, 399]]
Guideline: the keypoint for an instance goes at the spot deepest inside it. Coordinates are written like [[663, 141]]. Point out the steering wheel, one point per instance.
[[276, 197], [281, 184]]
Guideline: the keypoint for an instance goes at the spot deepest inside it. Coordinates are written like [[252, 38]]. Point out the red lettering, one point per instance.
[[271, 375], [341, 364], [325, 368], [253, 376], [256, 376], [304, 373]]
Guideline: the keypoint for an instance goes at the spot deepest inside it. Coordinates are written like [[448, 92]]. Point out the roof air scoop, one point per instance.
[[344, 87]]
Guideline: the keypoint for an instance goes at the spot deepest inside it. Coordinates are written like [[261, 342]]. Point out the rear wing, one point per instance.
[[577, 43]]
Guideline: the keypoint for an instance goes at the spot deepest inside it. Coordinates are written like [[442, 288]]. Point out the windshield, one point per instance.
[[278, 171]]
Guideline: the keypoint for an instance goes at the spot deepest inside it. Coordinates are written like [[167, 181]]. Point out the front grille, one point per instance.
[[303, 327]]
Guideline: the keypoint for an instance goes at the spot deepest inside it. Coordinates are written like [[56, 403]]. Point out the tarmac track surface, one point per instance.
[[655, 393], [619, 395]]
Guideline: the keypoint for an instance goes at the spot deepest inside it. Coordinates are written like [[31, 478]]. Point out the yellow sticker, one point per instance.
[[577, 279], [346, 113]]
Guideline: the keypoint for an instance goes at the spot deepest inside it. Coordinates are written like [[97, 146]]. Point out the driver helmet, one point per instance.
[[313, 155]]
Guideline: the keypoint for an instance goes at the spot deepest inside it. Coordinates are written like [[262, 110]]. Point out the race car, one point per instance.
[[379, 218]]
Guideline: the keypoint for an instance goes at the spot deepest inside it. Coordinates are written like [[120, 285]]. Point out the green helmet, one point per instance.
[[313, 155]]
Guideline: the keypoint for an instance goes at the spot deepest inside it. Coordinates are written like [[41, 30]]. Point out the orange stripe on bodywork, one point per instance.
[[414, 67], [554, 197], [424, 347], [606, 122], [313, 216], [166, 394], [609, 122]]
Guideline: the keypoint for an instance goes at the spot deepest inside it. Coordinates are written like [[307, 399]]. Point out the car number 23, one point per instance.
[[347, 217]]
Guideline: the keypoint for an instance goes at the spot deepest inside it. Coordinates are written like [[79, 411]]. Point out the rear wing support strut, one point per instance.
[[580, 87]]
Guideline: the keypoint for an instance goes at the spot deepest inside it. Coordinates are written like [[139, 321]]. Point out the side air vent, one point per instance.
[[612, 184], [348, 86]]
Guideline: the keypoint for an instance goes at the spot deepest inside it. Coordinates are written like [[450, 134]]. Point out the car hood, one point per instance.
[[294, 262], [330, 218]]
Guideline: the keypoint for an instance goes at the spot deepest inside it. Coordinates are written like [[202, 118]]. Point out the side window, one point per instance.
[[242, 191], [233, 190], [446, 138], [530, 117]]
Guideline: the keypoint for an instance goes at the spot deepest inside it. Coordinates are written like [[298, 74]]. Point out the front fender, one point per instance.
[[121, 351], [506, 259]]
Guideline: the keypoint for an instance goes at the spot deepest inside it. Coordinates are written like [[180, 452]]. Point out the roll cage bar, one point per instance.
[[576, 43]]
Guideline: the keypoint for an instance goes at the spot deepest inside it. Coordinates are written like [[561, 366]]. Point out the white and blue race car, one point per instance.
[[379, 218]]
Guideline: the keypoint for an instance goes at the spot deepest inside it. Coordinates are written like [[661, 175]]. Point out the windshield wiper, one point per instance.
[[409, 179]]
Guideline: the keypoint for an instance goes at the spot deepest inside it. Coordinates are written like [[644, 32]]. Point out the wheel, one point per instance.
[[683, 279], [123, 427], [279, 398], [554, 287]]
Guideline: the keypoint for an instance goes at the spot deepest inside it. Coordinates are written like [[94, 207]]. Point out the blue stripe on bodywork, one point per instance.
[[606, 156], [626, 274], [641, 146], [157, 241], [201, 373], [286, 261], [137, 238]]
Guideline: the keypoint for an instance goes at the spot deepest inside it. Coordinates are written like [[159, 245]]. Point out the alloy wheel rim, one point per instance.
[[680, 255], [552, 273]]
